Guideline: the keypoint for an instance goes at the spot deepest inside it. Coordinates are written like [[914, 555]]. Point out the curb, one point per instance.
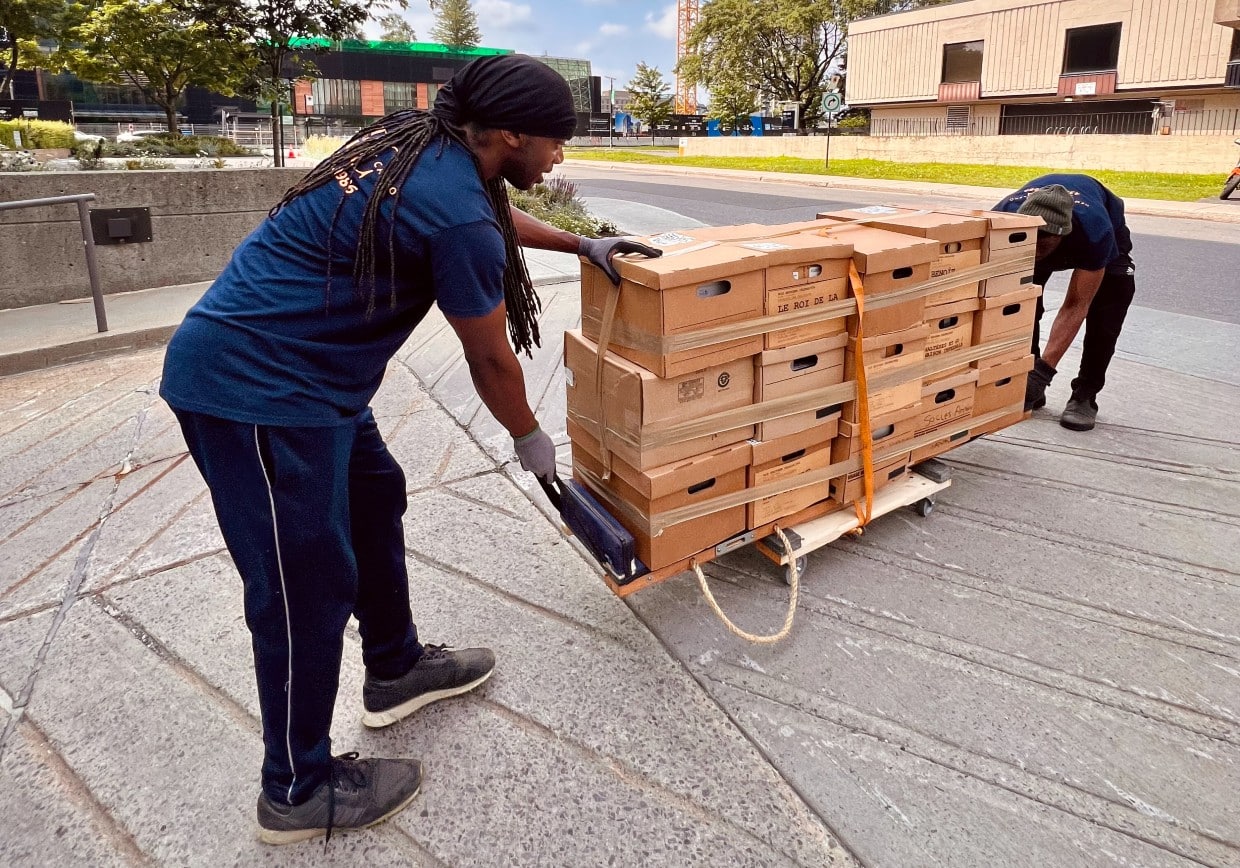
[[1216, 213], [93, 347]]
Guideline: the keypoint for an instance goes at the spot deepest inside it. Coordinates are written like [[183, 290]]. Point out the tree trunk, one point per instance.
[[11, 73], [170, 111], [277, 152]]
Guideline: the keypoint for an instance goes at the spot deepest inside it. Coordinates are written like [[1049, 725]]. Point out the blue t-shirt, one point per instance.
[[1099, 238], [268, 344]]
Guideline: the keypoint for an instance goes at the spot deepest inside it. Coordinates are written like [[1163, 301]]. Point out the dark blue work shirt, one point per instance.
[[268, 344], [1099, 238]]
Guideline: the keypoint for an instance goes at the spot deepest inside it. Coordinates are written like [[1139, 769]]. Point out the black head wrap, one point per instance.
[[511, 92]]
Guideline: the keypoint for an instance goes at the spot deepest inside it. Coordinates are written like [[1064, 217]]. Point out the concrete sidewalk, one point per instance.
[[1218, 211], [1044, 672]]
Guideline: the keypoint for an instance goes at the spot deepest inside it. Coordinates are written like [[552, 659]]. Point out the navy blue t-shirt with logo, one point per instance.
[[1099, 238], [269, 344]]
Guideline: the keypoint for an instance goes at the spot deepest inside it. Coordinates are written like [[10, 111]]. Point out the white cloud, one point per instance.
[[664, 24], [583, 49], [503, 15], [613, 29]]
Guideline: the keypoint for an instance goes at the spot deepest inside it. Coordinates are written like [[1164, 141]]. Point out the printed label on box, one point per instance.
[[877, 209], [690, 390], [766, 246], [670, 239]]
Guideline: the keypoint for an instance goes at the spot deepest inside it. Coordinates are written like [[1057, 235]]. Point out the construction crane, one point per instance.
[[686, 91]]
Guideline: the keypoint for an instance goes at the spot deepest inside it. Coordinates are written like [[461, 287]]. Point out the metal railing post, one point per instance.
[[92, 267], [88, 242]]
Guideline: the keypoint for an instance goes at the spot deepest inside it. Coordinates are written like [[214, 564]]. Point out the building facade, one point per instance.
[[1021, 67], [358, 82]]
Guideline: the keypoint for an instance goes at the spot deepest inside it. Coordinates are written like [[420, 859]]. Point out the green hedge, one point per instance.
[[176, 146], [37, 134]]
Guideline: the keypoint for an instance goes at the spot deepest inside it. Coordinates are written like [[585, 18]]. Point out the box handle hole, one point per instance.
[[892, 351], [1017, 237], [949, 322], [885, 431], [815, 271], [792, 456], [1002, 382], [1012, 309], [804, 363], [953, 247], [902, 273], [944, 396], [701, 486]]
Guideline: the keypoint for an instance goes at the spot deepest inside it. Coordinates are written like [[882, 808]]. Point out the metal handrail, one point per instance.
[[88, 241]]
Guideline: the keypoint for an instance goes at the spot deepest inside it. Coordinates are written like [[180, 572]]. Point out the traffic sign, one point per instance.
[[831, 102]]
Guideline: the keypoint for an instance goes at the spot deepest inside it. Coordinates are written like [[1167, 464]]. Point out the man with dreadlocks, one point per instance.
[[271, 376]]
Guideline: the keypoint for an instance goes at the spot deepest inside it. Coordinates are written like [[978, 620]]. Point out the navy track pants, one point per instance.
[[312, 519]]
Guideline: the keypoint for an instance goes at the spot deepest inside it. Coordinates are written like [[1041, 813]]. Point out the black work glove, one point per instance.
[[1035, 387], [600, 251]]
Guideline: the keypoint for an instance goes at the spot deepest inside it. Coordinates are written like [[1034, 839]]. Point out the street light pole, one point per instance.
[[611, 112]]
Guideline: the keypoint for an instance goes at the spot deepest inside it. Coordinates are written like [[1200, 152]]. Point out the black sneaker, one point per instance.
[[1080, 413], [359, 793], [439, 673]]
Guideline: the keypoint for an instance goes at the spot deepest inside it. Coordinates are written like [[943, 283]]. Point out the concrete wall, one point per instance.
[[1204, 154], [197, 218]]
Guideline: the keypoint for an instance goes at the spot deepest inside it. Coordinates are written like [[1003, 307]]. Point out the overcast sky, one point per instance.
[[614, 35]]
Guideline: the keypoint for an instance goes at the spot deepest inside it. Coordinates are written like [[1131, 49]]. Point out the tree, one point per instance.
[[267, 30], [456, 24], [651, 101], [21, 23], [154, 47], [730, 100], [396, 29], [784, 49]]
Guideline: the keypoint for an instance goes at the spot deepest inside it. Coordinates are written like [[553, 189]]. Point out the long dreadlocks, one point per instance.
[[405, 135]]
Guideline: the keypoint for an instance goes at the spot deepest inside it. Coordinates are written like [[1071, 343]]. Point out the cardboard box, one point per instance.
[[950, 327], [885, 357], [773, 429], [1006, 316], [686, 291], [851, 488], [959, 239], [938, 447], [886, 260], [802, 297], [672, 486], [884, 437], [1010, 237], [784, 459], [1008, 283], [1005, 356], [637, 398], [1017, 414], [798, 259], [1001, 385], [798, 369], [947, 401]]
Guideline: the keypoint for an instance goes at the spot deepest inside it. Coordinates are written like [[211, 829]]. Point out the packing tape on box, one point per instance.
[[621, 333], [655, 525]]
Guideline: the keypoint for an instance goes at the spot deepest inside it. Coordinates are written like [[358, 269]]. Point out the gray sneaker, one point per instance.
[[439, 673], [359, 793], [1080, 413]]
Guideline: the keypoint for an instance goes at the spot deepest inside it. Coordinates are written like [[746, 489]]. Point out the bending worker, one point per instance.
[[1085, 233], [271, 376]]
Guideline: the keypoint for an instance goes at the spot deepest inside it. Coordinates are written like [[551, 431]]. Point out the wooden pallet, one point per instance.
[[808, 530]]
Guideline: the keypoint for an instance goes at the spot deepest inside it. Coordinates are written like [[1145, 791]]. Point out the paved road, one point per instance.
[[1188, 267]]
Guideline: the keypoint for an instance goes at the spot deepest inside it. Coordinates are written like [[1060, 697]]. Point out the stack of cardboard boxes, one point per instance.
[[728, 398]]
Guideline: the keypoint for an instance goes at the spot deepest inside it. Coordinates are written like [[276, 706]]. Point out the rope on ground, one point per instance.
[[794, 579]]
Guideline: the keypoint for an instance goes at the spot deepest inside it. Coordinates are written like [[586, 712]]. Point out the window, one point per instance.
[[432, 91], [1091, 49], [399, 95], [958, 117], [962, 61], [336, 96], [1235, 46]]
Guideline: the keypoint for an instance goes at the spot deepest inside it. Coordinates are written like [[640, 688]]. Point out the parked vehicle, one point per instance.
[[139, 135], [80, 137], [1233, 180]]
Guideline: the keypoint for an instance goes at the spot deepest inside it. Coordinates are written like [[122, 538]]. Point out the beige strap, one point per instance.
[[604, 342]]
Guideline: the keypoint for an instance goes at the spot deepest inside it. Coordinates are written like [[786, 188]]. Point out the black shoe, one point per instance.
[[1080, 413], [439, 673], [1035, 387], [359, 793]]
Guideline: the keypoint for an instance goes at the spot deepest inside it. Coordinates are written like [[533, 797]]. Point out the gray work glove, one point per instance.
[[600, 251], [536, 453]]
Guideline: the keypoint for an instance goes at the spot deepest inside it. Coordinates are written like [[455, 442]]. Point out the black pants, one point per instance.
[[312, 519], [1103, 324]]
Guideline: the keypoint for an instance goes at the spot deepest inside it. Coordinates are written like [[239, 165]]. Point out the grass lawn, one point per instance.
[[1137, 185]]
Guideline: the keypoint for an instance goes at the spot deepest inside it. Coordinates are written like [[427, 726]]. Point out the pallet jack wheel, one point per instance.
[[801, 564], [924, 507]]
